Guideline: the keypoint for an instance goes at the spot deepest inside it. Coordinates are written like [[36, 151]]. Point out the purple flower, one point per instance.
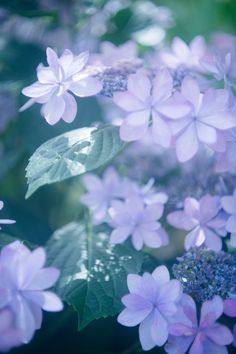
[[23, 281], [54, 81], [150, 102], [152, 302], [203, 220], [5, 221], [111, 54], [133, 218], [207, 337], [230, 307], [182, 54], [209, 116], [229, 205]]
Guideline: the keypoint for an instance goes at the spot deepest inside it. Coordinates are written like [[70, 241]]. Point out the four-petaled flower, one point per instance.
[[149, 105], [207, 337], [203, 220], [63, 74], [152, 302]]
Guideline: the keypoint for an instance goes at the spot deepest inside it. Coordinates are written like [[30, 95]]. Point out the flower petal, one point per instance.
[[187, 144], [131, 318], [53, 110]]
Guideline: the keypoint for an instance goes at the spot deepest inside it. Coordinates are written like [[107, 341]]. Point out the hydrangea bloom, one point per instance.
[[62, 74], [144, 100], [23, 281], [207, 337], [182, 54], [5, 221], [205, 273], [229, 205], [152, 302], [133, 218], [209, 116], [203, 220]]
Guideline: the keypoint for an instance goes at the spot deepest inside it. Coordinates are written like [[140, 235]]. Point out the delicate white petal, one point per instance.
[[131, 133], [206, 133], [37, 90], [161, 133], [47, 300], [128, 102], [53, 110], [139, 85], [145, 334], [187, 144], [191, 91], [161, 275], [70, 110], [86, 87]]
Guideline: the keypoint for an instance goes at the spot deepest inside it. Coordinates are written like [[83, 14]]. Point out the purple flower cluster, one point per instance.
[[164, 313], [129, 209], [23, 295], [176, 104]]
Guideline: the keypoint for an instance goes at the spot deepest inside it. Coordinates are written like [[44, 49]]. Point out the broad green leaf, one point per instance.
[[72, 154], [93, 272]]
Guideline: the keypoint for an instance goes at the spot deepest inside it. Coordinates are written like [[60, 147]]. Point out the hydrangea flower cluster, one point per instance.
[[183, 114], [205, 273], [23, 294], [129, 209], [175, 104]]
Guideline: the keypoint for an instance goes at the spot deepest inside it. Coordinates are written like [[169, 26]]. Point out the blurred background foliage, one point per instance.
[[27, 27]]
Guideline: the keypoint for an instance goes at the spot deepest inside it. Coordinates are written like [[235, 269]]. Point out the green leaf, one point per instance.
[[72, 154], [93, 272]]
